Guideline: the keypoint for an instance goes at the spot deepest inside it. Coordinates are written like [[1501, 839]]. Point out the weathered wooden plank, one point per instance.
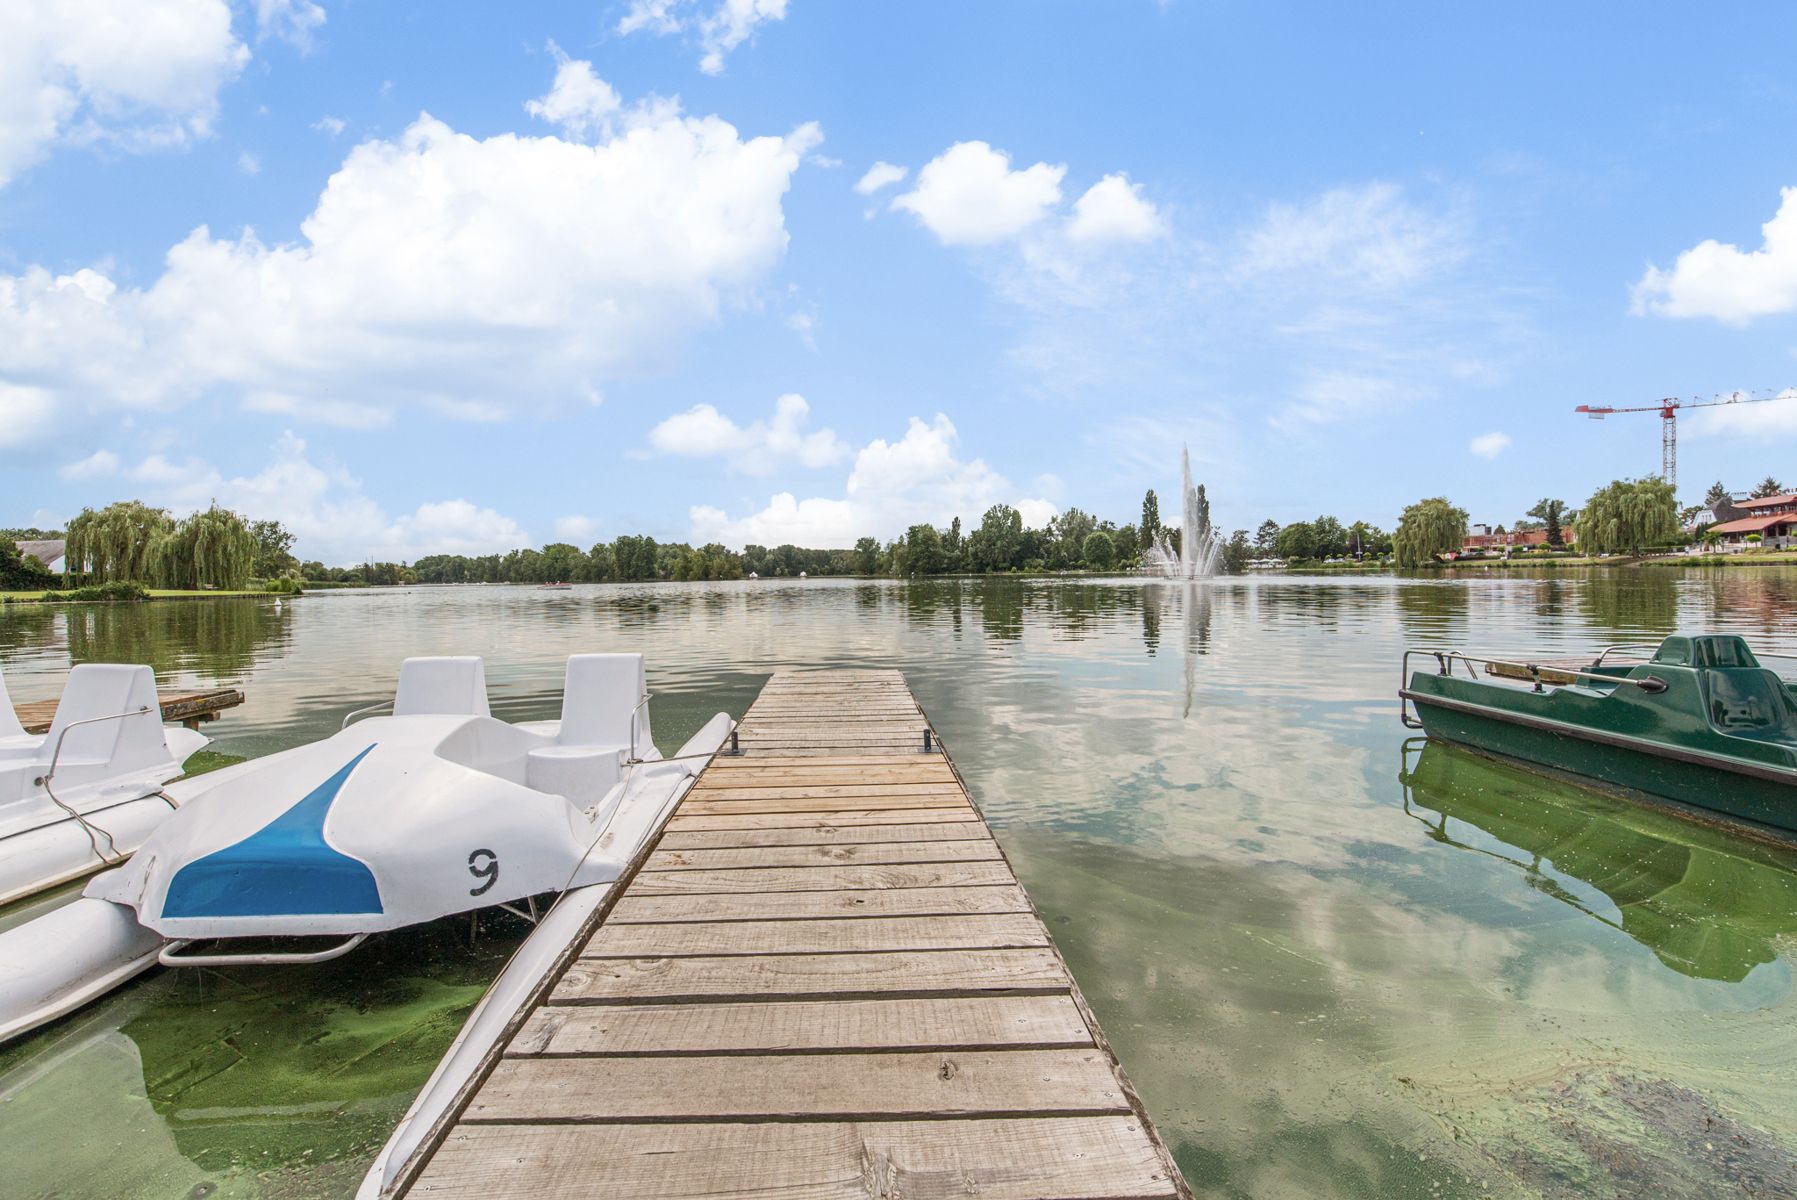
[[789, 748], [834, 935], [835, 734], [907, 770], [895, 902], [820, 804], [826, 819], [775, 976], [821, 835], [723, 765], [1070, 1158], [814, 751], [926, 773], [971, 850], [780, 1086], [800, 790], [822, 879], [1041, 1022], [185, 705]]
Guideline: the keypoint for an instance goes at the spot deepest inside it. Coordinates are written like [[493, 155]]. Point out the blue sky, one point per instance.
[[422, 277]]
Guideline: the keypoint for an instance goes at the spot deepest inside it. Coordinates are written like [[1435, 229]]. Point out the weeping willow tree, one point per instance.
[[134, 542], [214, 548], [116, 542], [1427, 528], [1628, 516]]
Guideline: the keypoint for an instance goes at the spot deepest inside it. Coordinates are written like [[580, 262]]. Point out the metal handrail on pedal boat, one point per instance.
[[87, 826], [362, 712], [170, 956], [1445, 660]]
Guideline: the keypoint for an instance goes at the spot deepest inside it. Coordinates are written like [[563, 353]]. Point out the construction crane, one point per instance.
[[1668, 410]]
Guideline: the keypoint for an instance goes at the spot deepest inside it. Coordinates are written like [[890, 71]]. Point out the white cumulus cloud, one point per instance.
[[29, 413], [881, 174], [1757, 420], [755, 449], [97, 465], [577, 529], [293, 21], [578, 101], [1113, 210], [1489, 445], [471, 276], [1722, 281], [720, 27], [893, 485], [138, 75], [969, 196], [324, 506]]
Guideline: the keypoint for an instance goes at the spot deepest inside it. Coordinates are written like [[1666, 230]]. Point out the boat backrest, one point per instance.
[[132, 741], [1748, 700], [599, 696], [9, 716], [1705, 650], [447, 685]]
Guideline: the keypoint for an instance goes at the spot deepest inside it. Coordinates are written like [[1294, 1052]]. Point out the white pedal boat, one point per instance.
[[85, 795], [396, 820]]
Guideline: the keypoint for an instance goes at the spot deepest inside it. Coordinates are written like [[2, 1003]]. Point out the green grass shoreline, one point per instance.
[[40, 597]]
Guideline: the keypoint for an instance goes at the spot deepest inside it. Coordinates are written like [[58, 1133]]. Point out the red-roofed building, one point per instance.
[[1774, 518]]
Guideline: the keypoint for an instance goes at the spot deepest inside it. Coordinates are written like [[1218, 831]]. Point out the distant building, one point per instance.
[[50, 553], [1774, 518], [1526, 539]]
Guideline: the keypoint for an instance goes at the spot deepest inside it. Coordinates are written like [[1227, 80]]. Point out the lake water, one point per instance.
[[1334, 962]]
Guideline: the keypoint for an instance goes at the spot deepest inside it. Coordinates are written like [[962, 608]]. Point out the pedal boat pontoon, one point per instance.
[[434, 810], [84, 796], [1701, 725]]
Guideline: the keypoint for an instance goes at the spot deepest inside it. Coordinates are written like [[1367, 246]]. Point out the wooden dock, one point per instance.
[[189, 708], [822, 980]]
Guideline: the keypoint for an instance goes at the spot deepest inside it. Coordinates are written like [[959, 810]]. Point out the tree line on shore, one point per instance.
[[217, 548]]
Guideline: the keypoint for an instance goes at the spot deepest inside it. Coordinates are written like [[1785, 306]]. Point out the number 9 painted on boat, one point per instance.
[[488, 870]]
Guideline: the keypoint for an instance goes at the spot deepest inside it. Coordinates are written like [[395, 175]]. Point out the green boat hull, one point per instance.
[[1718, 741]]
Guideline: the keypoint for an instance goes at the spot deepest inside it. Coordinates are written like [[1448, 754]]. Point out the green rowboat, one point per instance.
[[1701, 724]]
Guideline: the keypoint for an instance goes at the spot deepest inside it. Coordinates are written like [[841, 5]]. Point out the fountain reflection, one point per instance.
[[1708, 904]]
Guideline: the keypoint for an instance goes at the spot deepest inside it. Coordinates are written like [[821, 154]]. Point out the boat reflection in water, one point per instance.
[[1708, 903]]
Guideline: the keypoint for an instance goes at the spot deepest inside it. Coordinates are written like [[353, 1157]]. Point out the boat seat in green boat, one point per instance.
[[1750, 702], [1705, 650]]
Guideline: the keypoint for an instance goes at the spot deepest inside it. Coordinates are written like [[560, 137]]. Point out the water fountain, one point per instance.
[[1200, 548]]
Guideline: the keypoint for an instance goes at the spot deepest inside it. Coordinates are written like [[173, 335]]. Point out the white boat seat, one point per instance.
[[581, 773], [602, 701], [133, 742], [450, 685]]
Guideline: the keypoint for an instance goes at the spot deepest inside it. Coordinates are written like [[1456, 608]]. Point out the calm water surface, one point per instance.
[[1335, 962]]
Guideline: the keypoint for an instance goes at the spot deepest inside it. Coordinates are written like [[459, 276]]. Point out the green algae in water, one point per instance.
[[265, 1082], [1269, 1013]]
